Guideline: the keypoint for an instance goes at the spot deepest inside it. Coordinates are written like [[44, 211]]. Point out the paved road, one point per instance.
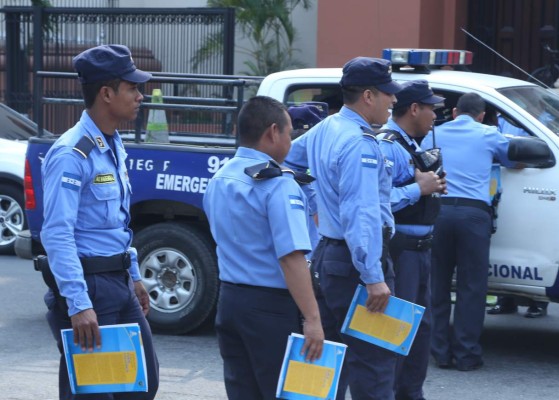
[[522, 356]]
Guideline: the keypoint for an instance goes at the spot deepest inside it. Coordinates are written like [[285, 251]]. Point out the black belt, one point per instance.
[[261, 288], [414, 243], [98, 264], [335, 242], [461, 201]]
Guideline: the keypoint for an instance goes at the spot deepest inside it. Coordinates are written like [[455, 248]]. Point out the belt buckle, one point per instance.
[[127, 262], [424, 243]]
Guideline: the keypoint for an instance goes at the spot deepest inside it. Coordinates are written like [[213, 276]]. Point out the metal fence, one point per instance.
[[166, 39]]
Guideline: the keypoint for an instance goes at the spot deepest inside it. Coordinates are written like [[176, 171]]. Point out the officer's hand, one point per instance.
[[428, 182], [442, 180], [314, 339], [378, 295], [142, 295], [86, 329]]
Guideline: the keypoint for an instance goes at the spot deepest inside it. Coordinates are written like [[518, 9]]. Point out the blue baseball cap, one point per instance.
[[417, 91], [108, 62], [306, 115], [367, 71]]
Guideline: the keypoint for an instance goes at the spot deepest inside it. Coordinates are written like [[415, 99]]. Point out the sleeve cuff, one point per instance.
[[373, 275], [415, 192], [79, 303], [134, 268], [135, 272]]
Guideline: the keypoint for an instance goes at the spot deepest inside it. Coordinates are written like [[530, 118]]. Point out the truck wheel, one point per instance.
[[178, 266], [12, 217]]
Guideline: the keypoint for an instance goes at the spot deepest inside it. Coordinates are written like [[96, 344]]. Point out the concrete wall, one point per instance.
[[368, 26]]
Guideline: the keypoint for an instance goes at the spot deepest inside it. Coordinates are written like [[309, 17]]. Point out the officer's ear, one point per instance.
[[105, 93], [454, 113], [270, 135], [480, 117]]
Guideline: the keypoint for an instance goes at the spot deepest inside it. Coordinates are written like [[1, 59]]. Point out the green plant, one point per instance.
[[267, 24]]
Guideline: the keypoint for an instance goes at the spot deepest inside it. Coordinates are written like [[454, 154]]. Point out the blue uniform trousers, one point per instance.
[[413, 283], [115, 302], [252, 326], [461, 239], [368, 369]]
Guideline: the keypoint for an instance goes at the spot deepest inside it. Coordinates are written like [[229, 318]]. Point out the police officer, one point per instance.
[[258, 218], [415, 204], [303, 117], [353, 197], [462, 233], [86, 210]]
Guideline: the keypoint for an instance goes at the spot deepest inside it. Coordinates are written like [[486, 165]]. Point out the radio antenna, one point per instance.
[[503, 57]]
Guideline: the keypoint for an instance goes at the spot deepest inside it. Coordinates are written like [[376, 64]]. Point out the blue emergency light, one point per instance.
[[426, 57]]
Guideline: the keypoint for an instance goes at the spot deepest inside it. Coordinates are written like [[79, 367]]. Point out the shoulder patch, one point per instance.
[[84, 146], [296, 202], [369, 161], [71, 181]]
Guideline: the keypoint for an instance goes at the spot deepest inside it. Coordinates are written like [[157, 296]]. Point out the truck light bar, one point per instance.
[[425, 57]]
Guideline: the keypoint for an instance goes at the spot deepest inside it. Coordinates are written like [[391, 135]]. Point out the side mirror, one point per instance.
[[532, 151]]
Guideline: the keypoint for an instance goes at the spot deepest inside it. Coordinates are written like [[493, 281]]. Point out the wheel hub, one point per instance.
[[168, 278]]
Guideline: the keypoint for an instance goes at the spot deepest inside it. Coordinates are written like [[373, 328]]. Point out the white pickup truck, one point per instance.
[[524, 258], [177, 257]]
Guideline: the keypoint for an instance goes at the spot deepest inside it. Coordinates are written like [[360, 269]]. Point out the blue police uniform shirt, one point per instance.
[[507, 128], [468, 149], [352, 186], [313, 229], [255, 222], [400, 166], [86, 208]]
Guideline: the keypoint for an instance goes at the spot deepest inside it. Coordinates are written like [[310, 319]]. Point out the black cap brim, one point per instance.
[[136, 76], [391, 87], [432, 100]]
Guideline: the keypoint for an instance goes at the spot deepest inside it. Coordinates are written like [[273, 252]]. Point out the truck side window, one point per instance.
[[329, 94]]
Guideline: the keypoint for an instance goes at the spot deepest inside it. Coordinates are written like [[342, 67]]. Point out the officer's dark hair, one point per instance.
[[90, 90], [471, 104], [352, 93], [257, 115]]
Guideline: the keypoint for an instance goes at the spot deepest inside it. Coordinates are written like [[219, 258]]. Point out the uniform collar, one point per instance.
[[358, 119], [464, 117], [95, 134], [391, 124], [247, 152]]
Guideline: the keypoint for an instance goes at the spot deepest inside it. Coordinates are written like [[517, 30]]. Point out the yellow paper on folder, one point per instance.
[[105, 368], [381, 326], [308, 379]]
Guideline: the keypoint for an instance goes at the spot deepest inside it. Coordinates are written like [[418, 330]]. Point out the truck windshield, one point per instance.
[[541, 103]]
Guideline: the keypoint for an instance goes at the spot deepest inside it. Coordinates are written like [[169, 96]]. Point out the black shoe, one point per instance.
[[445, 364], [499, 309], [469, 367], [535, 312]]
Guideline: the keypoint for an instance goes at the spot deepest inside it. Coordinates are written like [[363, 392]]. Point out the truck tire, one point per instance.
[[12, 216], [178, 266]]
